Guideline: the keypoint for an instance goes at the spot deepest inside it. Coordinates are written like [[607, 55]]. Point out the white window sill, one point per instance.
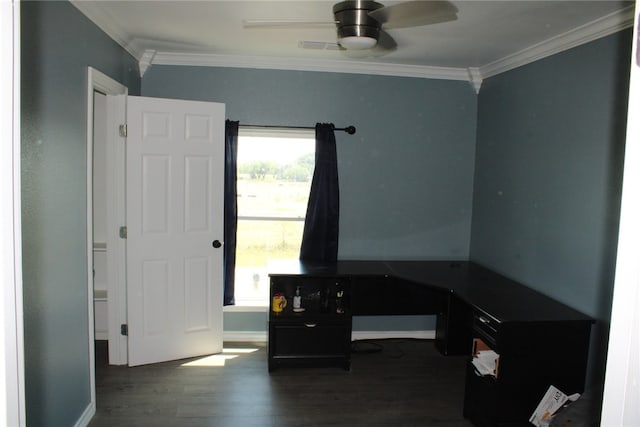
[[245, 309]]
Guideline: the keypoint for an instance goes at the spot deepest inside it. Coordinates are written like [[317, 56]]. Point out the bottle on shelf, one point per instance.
[[297, 300], [339, 306]]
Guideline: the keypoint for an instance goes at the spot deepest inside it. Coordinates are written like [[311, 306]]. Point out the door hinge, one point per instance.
[[124, 329], [123, 130], [123, 232]]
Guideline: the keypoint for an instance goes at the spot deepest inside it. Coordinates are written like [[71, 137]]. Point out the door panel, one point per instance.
[[155, 297], [175, 165], [198, 171], [156, 176], [197, 294]]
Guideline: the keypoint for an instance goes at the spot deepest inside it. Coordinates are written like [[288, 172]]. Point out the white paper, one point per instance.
[[485, 362], [553, 400]]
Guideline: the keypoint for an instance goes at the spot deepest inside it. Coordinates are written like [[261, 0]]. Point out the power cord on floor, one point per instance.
[[365, 347]]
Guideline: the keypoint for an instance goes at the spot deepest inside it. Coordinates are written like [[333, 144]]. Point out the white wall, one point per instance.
[[12, 412], [622, 386]]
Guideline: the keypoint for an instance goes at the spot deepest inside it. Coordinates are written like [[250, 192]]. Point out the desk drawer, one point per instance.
[[311, 338], [487, 328], [310, 342]]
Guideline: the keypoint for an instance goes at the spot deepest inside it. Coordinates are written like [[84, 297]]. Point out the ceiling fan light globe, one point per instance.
[[357, 42]]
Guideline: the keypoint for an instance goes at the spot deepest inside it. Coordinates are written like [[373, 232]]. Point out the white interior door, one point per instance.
[[174, 205]]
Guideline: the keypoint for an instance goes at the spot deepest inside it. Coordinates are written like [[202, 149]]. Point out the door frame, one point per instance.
[[100, 82], [12, 372]]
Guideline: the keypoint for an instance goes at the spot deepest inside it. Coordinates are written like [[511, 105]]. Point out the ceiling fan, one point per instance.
[[360, 23]]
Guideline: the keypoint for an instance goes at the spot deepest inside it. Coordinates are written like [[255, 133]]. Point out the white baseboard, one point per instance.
[[261, 336], [86, 416], [244, 336]]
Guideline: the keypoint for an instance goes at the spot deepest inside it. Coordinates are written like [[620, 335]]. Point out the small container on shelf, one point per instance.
[[339, 304], [297, 301]]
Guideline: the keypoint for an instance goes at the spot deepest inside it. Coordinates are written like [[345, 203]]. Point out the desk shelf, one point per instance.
[[316, 334]]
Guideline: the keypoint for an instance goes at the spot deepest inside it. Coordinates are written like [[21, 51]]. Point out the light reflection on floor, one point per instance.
[[220, 358]]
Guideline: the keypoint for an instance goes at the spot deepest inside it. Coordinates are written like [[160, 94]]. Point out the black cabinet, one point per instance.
[[529, 357], [389, 296], [453, 327], [313, 326]]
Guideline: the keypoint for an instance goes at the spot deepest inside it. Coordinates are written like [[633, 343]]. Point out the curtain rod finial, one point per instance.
[[350, 130]]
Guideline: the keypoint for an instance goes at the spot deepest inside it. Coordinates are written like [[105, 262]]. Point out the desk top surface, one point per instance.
[[495, 295]]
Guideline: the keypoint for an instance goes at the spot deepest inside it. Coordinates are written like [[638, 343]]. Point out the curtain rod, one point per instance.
[[349, 129]]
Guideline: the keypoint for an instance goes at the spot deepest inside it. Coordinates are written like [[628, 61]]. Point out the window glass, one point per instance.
[[275, 168]]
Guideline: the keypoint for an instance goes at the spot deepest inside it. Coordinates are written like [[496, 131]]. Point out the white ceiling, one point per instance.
[[485, 35]]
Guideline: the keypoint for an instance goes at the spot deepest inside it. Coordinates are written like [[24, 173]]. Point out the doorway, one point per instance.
[[98, 84]]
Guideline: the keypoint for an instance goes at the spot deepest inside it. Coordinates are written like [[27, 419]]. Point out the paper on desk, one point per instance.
[[550, 404], [486, 362]]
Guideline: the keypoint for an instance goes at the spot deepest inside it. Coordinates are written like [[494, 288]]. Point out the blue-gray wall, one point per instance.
[[242, 321], [58, 43], [550, 134], [549, 161], [406, 175]]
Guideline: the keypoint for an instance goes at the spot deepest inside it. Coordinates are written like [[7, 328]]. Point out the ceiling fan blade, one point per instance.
[[415, 13], [386, 42], [266, 23]]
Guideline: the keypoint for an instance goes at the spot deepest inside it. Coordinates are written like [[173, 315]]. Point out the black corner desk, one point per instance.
[[538, 341]]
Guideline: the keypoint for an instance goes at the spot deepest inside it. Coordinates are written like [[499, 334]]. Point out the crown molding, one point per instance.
[[146, 60], [310, 64], [475, 78], [583, 34], [100, 16]]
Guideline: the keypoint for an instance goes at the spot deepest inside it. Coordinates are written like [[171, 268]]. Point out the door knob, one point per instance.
[[216, 244]]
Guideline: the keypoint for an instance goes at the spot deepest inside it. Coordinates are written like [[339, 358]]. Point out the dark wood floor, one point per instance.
[[405, 383]]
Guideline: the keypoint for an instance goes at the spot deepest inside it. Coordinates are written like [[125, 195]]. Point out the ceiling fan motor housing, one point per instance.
[[353, 20]]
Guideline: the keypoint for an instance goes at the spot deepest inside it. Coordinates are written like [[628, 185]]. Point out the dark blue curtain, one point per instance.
[[320, 235], [230, 209]]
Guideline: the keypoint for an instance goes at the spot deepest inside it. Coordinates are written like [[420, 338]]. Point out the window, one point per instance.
[[275, 168]]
